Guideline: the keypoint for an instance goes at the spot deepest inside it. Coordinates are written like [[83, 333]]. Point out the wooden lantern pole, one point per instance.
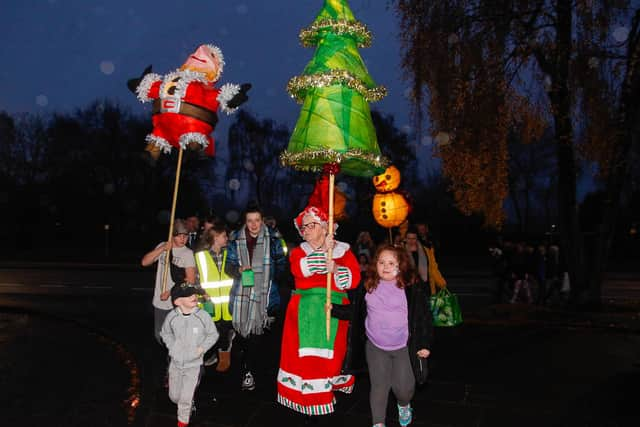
[[173, 213], [330, 252]]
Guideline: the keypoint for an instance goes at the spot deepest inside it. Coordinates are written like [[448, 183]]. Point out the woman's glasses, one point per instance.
[[309, 226]]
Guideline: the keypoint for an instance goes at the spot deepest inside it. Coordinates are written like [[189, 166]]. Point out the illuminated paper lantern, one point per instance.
[[335, 90], [387, 181], [390, 209]]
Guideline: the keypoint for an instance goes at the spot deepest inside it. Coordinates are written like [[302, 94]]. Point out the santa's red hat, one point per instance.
[[318, 206]]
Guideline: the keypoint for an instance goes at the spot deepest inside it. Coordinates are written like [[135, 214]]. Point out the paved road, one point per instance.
[[84, 337]]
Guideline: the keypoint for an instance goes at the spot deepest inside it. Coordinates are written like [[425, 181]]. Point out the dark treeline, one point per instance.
[[80, 185]]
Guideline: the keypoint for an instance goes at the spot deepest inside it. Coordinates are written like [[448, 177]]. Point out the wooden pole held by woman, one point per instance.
[[330, 253]]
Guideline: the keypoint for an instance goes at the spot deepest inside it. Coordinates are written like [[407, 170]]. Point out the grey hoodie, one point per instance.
[[184, 334]]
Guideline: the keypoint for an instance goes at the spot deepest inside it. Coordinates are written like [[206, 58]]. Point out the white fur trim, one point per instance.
[[296, 382], [160, 142], [142, 91], [215, 51], [198, 137], [185, 77], [228, 91], [338, 251], [324, 353]]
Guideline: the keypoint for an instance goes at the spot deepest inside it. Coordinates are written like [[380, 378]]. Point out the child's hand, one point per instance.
[[199, 351], [165, 295], [424, 353]]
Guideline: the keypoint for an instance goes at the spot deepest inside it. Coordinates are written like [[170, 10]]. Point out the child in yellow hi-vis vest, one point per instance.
[[214, 279]]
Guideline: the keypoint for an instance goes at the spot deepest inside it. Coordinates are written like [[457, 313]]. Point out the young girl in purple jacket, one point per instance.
[[398, 328]]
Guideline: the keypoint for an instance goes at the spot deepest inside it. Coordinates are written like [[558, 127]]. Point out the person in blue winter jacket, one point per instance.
[[188, 333]]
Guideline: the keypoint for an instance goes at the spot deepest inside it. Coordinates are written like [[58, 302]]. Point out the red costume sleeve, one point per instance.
[[294, 261]]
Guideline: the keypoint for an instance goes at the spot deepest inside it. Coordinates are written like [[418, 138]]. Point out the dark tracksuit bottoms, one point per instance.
[[388, 370]]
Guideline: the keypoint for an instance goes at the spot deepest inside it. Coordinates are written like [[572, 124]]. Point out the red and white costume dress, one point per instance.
[[309, 376], [182, 102]]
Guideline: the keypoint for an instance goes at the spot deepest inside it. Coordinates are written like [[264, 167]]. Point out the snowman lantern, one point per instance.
[[390, 207]]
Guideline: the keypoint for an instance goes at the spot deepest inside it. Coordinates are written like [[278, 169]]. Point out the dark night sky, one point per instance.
[[58, 55]]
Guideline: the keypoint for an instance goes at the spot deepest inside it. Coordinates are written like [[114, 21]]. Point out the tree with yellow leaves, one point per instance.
[[485, 69]]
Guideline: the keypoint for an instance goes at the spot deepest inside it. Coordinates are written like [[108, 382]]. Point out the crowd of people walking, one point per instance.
[[533, 274], [377, 319]]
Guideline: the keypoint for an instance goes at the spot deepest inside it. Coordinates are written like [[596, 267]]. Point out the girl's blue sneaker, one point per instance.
[[405, 415]]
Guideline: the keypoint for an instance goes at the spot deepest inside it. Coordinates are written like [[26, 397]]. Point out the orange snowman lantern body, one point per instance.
[[390, 208]]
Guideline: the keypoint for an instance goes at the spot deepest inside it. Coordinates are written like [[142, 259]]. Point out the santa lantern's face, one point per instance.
[[206, 59], [387, 181], [390, 209]]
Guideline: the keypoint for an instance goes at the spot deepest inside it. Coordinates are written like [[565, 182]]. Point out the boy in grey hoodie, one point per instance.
[[188, 333]]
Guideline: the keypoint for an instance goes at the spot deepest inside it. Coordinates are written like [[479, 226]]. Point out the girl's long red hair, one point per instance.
[[406, 276]]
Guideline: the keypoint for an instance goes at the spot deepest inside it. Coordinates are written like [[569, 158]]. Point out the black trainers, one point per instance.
[[248, 383]]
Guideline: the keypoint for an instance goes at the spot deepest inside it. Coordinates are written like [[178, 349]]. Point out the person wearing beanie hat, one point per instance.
[[182, 269], [310, 366], [188, 333]]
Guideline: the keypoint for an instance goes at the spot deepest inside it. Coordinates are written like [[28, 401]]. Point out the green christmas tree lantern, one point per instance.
[[334, 132], [335, 89]]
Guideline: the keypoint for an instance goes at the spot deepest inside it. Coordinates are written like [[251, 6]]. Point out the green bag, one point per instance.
[[247, 278], [445, 309]]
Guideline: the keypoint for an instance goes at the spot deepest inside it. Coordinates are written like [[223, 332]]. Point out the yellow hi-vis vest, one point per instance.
[[216, 283]]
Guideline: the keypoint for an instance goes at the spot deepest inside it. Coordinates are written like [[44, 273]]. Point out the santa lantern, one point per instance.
[[390, 209], [186, 101]]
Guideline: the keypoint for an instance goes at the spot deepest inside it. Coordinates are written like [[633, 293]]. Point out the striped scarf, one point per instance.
[[250, 303]]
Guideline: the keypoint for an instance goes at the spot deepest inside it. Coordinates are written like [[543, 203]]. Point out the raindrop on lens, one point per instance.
[[443, 138], [248, 165], [620, 34], [234, 184], [42, 100], [107, 67]]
